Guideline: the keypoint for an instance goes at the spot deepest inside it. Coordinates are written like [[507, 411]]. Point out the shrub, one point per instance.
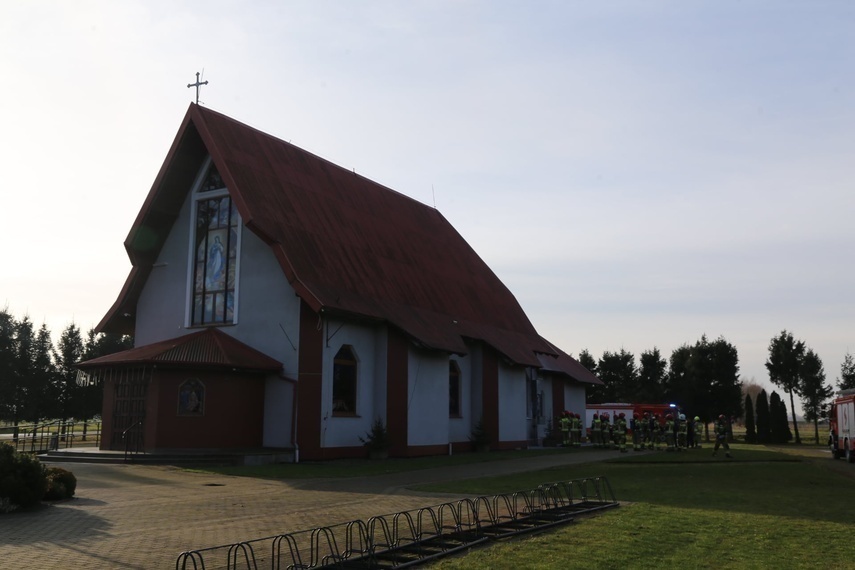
[[61, 484], [750, 432], [378, 438], [22, 479], [480, 436]]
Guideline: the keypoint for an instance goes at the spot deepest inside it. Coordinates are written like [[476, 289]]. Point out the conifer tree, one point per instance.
[[750, 429], [847, 373], [69, 352], [593, 395], [8, 376], [779, 423], [619, 375], [651, 377], [41, 378], [764, 428], [784, 365], [22, 368], [814, 391]]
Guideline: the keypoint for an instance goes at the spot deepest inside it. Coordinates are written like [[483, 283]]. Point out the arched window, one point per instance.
[[453, 389], [344, 382]]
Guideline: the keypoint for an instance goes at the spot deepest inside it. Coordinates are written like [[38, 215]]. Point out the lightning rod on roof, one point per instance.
[[197, 85]]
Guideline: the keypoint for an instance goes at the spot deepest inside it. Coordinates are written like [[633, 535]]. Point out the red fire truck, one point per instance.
[[841, 425]]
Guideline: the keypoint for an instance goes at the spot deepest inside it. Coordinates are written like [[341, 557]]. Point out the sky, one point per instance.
[[638, 173]]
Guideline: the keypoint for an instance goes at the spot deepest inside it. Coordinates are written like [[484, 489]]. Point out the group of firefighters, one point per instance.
[[674, 432]]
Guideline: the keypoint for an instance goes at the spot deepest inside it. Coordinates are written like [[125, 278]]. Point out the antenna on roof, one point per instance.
[[197, 85], [432, 191]]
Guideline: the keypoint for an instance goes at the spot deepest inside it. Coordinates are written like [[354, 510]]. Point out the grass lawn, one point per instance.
[[763, 509], [365, 467]]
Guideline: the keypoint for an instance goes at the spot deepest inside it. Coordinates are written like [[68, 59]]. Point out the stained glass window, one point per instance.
[[215, 253]]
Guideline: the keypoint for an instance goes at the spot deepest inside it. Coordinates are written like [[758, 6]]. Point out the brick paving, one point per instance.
[[143, 517]]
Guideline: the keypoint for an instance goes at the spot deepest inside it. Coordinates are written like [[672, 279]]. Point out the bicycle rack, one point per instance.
[[410, 538]]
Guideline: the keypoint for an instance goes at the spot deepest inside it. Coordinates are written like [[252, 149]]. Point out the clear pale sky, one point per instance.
[[637, 173]]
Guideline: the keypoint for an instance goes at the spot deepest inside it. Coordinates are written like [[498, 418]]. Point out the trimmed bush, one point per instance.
[[22, 479], [750, 431], [61, 484]]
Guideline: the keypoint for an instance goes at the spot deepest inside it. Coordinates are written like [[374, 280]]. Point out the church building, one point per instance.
[[279, 301]]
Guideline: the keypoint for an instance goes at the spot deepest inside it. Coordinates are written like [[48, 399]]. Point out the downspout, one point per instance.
[[294, 425], [296, 385]]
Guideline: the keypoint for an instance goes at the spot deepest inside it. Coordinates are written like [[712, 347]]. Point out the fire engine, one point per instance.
[[841, 425]]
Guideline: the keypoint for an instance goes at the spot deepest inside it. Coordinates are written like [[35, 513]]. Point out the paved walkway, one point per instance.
[[142, 517]]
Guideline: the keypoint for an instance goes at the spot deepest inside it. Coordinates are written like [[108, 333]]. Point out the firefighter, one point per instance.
[[644, 426], [578, 431], [605, 430], [669, 432], [574, 429], [653, 429], [564, 422], [620, 434], [699, 431], [596, 436], [721, 436], [682, 433], [636, 424]]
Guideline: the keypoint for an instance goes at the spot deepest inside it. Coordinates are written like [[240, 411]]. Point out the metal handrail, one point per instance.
[[125, 433], [39, 437]]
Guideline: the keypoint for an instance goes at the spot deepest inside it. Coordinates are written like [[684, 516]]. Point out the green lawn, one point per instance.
[[365, 467], [763, 509]]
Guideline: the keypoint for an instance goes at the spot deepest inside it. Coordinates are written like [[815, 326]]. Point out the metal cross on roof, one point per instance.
[[197, 85]]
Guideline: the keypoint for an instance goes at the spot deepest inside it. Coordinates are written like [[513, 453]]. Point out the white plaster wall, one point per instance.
[[512, 404], [381, 365], [278, 411], [544, 384], [163, 300], [427, 401], [459, 429], [574, 398], [268, 312], [344, 431], [268, 308]]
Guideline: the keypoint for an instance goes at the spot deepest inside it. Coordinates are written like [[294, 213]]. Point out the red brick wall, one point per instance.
[[309, 385], [397, 366]]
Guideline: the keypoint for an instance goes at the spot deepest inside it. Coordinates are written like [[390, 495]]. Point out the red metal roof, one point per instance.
[[564, 364], [346, 244], [208, 347]]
